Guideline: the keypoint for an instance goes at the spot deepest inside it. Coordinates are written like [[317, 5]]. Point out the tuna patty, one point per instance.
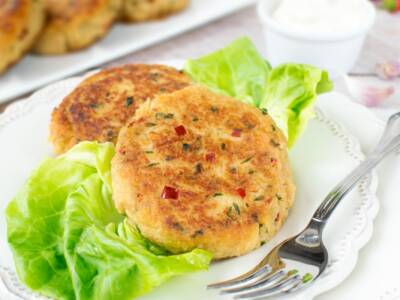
[[103, 103], [198, 170]]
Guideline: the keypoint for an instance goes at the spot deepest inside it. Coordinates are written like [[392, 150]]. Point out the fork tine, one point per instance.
[[254, 273], [264, 281], [283, 286]]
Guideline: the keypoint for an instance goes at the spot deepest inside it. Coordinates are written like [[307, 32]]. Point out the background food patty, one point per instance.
[[196, 169], [20, 23], [75, 24], [144, 10]]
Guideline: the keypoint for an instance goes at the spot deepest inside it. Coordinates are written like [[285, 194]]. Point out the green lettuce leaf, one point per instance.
[[288, 92], [69, 242]]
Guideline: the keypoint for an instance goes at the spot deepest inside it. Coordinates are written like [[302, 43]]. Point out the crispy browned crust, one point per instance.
[[101, 104], [20, 23], [73, 25], [145, 10], [209, 212]]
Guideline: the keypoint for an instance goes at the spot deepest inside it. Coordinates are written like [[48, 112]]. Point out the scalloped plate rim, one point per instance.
[[20, 108]]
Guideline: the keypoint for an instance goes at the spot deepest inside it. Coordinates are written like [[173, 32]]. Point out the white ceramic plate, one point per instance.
[[322, 157], [36, 71]]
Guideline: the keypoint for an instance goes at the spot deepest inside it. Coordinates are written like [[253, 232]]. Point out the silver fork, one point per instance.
[[296, 262]]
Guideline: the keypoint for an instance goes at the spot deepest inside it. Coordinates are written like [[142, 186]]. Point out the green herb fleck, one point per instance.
[[229, 212], [233, 170], [161, 115], [128, 101], [214, 109], [152, 165], [150, 124], [149, 152], [293, 272], [251, 171], [198, 168], [195, 119], [264, 111], [274, 143], [247, 160], [273, 127], [223, 146], [185, 147], [259, 198], [237, 208], [94, 105], [278, 197], [217, 194], [307, 277], [262, 243], [154, 76]]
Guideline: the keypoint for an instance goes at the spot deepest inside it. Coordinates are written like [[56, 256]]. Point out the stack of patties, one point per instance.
[[54, 27], [192, 169]]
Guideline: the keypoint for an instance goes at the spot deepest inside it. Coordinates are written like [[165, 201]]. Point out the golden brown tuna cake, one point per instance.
[[75, 24], [144, 10], [102, 104], [198, 170], [20, 23]]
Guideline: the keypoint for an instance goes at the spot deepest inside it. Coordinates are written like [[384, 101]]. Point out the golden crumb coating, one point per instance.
[[20, 23], [144, 10], [75, 24], [102, 104], [198, 170]]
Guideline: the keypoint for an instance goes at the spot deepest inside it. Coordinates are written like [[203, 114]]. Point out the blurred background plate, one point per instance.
[[36, 71]]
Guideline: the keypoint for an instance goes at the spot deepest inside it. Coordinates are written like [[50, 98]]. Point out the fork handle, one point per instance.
[[388, 143]]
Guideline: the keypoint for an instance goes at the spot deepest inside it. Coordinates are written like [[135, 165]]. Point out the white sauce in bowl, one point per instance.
[[322, 16]]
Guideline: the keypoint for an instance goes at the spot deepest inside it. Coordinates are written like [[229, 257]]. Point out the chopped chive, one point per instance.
[[128, 101], [214, 108], [149, 152], [293, 272], [273, 127], [152, 165], [262, 243], [264, 111], [195, 119], [217, 194], [307, 277], [229, 212], [223, 146], [154, 76], [198, 168], [247, 159], [278, 197], [259, 198], [251, 171], [274, 143], [161, 115], [185, 147], [237, 208], [232, 170], [150, 124]]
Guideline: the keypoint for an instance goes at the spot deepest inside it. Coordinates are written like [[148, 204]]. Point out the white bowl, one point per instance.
[[335, 52]]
